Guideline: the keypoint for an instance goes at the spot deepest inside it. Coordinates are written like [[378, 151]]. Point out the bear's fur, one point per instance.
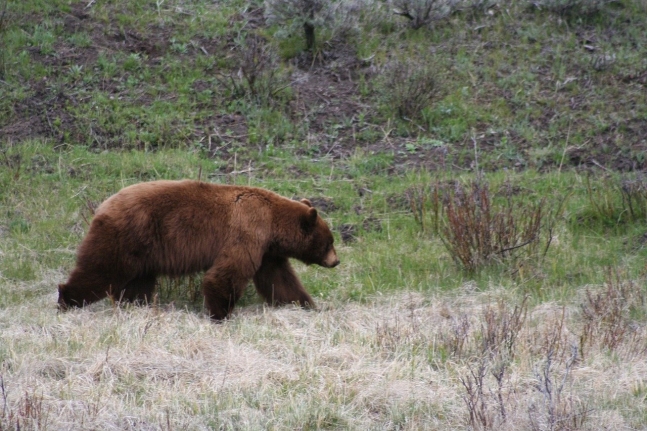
[[175, 228]]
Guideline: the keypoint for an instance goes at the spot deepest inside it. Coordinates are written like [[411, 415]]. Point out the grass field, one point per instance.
[[439, 316]]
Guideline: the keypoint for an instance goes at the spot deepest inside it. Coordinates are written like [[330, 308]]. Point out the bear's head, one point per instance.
[[63, 302], [317, 240]]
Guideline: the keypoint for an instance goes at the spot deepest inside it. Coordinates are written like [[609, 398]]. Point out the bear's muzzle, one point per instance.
[[331, 260]]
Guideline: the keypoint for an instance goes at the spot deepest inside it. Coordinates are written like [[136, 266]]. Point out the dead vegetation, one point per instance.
[[476, 361]]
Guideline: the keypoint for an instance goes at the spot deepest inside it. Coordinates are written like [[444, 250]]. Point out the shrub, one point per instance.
[[499, 330], [422, 13], [405, 88], [257, 74], [477, 233], [607, 313], [309, 15]]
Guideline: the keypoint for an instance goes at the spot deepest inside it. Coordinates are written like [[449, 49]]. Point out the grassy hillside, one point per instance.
[[482, 169], [529, 84]]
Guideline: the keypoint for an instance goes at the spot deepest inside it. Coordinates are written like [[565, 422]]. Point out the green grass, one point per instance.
[[45, 203]]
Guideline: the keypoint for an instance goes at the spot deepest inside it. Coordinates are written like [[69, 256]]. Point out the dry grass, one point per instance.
[[404, 362]]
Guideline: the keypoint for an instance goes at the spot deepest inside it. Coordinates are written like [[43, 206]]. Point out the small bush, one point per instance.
[[476, 232], [488, 406], [406, 88], [560, 409], [421, 13], [607, 313], [340, 18], [500, 327], [257, 75]]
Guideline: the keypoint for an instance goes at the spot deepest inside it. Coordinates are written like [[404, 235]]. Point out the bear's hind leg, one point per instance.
[[138, 290], [278, 284]]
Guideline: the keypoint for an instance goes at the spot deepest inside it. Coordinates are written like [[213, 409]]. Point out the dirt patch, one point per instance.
[[224, 132], [324, 204], [348, 233], [327, 97]]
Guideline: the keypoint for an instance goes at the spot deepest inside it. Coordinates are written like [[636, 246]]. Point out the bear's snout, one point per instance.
[[331, 260]]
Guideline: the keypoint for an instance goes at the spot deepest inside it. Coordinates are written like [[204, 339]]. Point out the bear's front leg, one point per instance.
[[278, 284], [139, 290], [223, 285]]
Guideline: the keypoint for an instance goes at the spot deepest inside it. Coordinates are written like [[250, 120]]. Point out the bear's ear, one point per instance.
[[306, 202], [309, 219]]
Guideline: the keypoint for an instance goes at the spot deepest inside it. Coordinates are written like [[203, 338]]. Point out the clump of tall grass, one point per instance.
[[615, 201]]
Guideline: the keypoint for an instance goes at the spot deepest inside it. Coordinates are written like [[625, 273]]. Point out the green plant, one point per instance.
[[3, 29]]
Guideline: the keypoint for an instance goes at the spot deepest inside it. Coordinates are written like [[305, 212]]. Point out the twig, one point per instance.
[[404, 14], [517, 246], [595, 162], [568, 134], [242, 171]]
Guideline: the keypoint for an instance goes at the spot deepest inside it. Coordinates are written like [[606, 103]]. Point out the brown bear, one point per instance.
[[174, 228]]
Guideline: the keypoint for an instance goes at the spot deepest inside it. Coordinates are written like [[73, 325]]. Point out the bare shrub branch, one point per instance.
[[474, 397], [560, 411], [500, 328], [28, 413]]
